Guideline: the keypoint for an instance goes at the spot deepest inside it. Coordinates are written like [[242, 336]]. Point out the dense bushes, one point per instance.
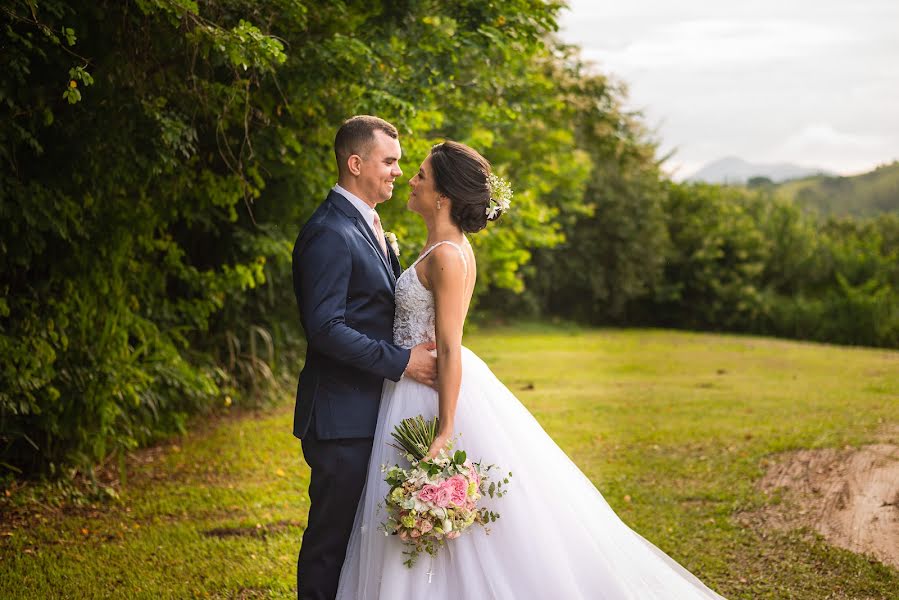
[[731, 260], [767, 267], [849, 291], [159, 157], [112, 192]]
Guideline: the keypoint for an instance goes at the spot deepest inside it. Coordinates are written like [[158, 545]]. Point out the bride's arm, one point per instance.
[[446, 275]]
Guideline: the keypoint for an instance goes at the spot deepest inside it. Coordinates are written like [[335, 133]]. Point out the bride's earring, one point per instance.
[[438, 203]]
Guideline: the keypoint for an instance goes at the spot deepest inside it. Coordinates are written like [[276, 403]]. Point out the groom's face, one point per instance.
[[380, 168]]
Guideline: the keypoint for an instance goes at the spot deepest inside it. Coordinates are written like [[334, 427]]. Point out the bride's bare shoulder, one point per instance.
[[448, 257]]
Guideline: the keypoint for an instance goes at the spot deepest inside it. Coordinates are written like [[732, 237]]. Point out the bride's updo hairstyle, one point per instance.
[[460, 174]]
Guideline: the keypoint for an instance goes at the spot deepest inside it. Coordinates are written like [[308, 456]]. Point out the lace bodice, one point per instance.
[[413, 321]]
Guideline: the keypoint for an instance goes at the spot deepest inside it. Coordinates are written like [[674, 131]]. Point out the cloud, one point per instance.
[[810, 82], [822, 145], [823, 134], [701, 44]]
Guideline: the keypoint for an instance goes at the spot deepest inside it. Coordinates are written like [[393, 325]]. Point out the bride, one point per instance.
[[557, 537]]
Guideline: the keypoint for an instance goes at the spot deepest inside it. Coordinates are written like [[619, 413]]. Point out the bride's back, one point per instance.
[[414, 322]]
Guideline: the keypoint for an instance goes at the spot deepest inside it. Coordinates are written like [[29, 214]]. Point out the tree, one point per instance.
[[160, 157]]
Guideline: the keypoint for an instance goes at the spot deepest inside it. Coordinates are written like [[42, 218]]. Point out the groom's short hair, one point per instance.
[[356, 136]]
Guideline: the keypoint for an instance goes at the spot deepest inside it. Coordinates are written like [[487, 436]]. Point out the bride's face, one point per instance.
[[423, 197]]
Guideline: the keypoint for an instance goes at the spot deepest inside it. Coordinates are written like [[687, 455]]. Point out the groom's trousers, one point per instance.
[[338, 478]]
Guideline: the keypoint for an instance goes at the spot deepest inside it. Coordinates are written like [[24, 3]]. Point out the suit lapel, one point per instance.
[[363, 227], [350, 211], [394, 262]]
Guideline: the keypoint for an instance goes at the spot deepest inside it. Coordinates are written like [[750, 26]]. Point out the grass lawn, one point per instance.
[[674, 428]]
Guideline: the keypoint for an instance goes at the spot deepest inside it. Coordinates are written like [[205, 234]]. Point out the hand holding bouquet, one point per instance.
[[434, 500]]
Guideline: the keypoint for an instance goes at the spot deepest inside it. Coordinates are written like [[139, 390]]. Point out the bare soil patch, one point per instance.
[[850, 496]]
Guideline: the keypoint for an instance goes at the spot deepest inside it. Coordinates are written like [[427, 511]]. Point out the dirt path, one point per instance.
[[850, 496]]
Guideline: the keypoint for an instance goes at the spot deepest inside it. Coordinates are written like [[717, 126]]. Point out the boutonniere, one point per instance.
[[391, 239]]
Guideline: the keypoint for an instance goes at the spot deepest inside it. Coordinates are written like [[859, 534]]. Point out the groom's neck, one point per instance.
[[350, 185]]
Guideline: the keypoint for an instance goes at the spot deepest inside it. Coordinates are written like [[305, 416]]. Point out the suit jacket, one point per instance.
[[344, 287]]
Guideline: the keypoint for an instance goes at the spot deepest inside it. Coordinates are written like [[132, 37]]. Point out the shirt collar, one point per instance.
[[367, 212]]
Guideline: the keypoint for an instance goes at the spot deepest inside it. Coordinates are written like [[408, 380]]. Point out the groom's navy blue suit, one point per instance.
[[344, 287]]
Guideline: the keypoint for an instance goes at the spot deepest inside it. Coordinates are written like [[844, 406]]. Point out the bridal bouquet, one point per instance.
[[434, 500]]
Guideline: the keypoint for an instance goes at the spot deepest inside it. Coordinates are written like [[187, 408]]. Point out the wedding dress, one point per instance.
[[557, 538]]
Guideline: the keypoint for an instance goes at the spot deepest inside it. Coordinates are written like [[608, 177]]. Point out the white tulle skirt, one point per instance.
[[557, 538]]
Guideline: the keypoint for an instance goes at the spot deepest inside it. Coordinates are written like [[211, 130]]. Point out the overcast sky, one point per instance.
[[815, 83]]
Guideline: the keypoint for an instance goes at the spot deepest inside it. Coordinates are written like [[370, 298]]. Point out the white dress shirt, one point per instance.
[[367, 212]]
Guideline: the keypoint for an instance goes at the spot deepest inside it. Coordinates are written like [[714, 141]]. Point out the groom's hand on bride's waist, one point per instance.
[[422, 365]]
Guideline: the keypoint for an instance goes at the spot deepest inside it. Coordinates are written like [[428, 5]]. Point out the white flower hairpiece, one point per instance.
[[500, 196]]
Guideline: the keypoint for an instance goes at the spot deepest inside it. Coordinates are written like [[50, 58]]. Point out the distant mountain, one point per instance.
[[865, 195], [736, 171]]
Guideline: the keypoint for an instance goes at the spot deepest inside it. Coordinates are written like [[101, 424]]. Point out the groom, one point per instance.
[[344, 275]]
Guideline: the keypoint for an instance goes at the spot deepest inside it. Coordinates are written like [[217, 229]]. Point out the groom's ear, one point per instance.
[[354, 164]]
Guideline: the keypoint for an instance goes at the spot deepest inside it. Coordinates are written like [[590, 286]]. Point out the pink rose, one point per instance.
[[415, 533], [459, 486], [444, 496], [458, 482], [426, 526], [453, 534], [428, 493]]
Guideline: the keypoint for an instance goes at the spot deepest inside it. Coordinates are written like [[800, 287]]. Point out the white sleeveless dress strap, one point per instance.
[[454, 245]]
